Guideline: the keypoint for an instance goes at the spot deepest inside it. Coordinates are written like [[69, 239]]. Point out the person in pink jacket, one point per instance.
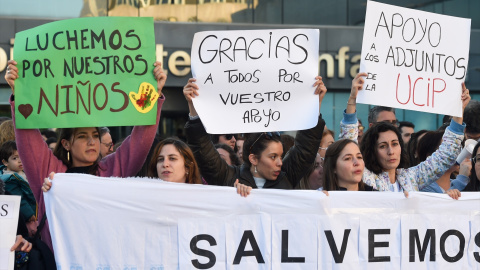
[[78, 149]]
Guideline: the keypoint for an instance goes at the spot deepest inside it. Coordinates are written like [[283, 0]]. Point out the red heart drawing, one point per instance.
[[25, 110]]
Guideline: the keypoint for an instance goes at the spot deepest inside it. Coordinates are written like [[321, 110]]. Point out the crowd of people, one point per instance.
[[388, 156]]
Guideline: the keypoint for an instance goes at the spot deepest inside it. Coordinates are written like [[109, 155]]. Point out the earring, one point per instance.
[[68, 156], [255, 169]]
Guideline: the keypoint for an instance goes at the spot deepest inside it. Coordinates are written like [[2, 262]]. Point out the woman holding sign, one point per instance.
[[385, 156], [78, 149], [263, 166], [474, 184]]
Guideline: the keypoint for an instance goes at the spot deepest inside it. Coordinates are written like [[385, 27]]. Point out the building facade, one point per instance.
[[176, 21]]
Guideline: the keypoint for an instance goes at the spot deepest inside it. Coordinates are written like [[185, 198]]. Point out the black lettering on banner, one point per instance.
[[141, 59], [414, 29], [74, 39], [422, 249], [222, 51], [111, 40], [200, 50], [244, 49], [131, 34], [382, 17], [338, 256], [476, 255], [372, 245], [461, 247], [302, 48], [4, 212], [54, 41], [83, 39], [99, 38], [285, 258], [209, 78], [46, 42], [423, 29], [252, 57], [26, 46], [203, 252], [287, 49], [241, 252], [462, 67]]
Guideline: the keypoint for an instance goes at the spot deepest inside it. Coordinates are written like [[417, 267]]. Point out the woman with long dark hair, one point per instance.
[[386, 161], [173, 161], [262, 152], [78, 149], [343, 167], [474, 184]]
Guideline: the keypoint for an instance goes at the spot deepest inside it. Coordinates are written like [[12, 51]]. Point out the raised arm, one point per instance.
[[349, 123], [442, 159], [130, 156], [300, 157], [213, 168], [37, 158]]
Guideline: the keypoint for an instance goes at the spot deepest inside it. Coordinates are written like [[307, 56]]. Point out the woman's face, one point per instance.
[[171, 165], [270, 162], [315, 179], [388, 150], [349, 166], [324, 144], [84, 146], [223, 139]]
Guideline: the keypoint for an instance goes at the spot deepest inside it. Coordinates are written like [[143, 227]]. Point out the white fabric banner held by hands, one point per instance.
[[150, 224]]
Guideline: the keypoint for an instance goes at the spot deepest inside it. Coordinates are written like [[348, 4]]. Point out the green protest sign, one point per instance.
[[86, 72]]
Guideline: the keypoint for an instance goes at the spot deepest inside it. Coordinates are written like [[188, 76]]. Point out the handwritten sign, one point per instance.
[[86, 72], [9, 211], [415, 60], [259, 80]]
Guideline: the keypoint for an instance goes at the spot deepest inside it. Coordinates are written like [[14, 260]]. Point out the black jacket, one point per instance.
[[217, 172]]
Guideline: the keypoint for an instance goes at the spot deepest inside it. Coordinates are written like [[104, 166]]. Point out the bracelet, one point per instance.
[[351, 103]]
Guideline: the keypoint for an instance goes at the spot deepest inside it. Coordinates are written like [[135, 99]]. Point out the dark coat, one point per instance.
[[16, 185], [217, 172]]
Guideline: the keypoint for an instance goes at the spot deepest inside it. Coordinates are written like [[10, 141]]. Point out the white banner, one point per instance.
[[256, 80], [415, 60], [151, 224], [9, 211]]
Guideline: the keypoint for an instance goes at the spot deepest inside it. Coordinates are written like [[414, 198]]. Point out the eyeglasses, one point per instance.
[[394, 122], [322, 161], [476, 159], [229, 136], [108, 145], [268, 136]]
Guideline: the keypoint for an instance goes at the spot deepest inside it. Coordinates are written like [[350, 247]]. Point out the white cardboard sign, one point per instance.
[[415, 60], [256, 80], [9, 211]]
